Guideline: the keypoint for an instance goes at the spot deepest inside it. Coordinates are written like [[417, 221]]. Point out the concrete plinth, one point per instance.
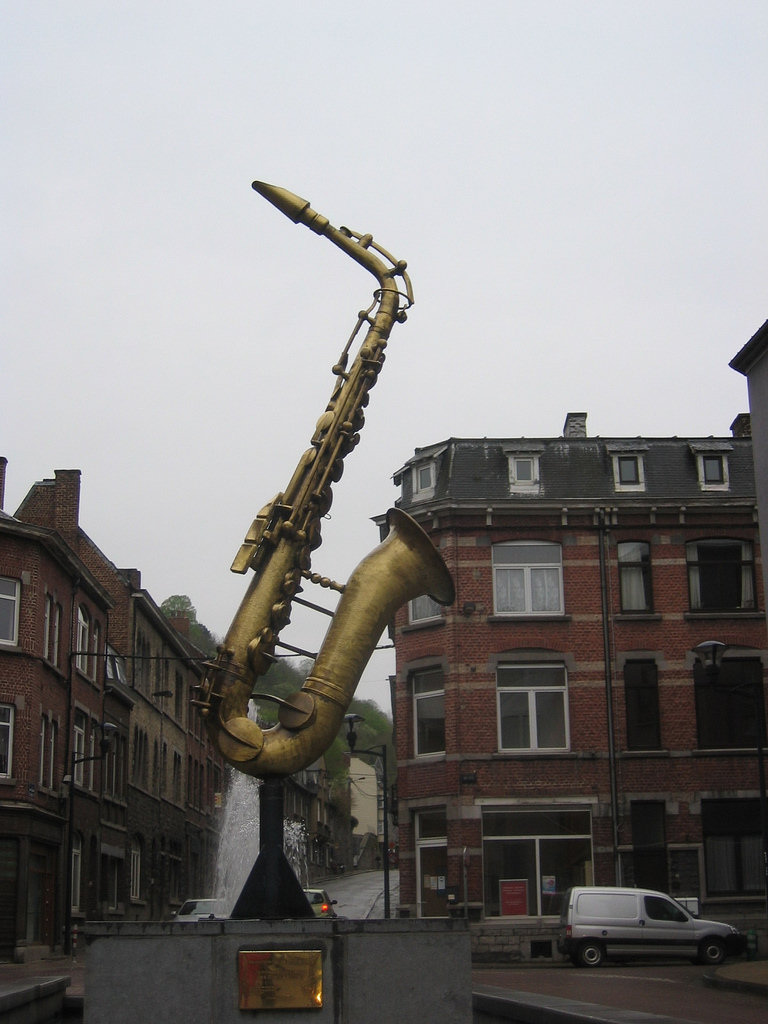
[[372, 971]]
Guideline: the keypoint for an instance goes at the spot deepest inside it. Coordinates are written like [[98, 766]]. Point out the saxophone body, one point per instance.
[[279, 545]]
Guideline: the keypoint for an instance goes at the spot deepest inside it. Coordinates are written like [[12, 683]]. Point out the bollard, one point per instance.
[[751, 944]]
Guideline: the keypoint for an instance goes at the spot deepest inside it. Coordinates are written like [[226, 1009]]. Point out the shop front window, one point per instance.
[[531, 857]]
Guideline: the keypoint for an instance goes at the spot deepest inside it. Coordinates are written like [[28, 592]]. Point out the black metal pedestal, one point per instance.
[[272, 891]]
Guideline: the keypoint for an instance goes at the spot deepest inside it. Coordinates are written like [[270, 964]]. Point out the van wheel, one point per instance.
[[590, 954], [711, 952]]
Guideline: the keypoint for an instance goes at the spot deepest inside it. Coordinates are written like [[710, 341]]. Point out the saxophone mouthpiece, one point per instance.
[[293, 206]]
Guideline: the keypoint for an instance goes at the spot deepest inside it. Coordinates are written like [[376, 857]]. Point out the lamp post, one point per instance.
[[107, 729], [381, 750], [710, 653]]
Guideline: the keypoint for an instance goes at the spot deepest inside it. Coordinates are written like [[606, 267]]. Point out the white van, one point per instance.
[[598, 922]]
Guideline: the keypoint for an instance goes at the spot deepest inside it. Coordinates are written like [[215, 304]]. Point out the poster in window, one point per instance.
[[548, 885], [513, 897]]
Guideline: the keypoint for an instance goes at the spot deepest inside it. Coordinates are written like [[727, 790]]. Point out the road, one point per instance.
[[665, 988], [676, 990], [360, 895]]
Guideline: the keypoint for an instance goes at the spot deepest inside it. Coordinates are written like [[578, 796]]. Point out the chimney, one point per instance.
[[67, 502], [741, 426], [3, 466], [181, 624], [575, 425]]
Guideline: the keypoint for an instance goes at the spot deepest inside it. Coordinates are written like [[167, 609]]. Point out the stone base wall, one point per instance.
[[372, 971]]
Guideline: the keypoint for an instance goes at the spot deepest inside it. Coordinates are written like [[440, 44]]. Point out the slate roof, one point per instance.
[[579, 469]]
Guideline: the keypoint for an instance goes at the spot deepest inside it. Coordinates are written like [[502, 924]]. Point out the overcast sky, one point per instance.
[[579, 189]]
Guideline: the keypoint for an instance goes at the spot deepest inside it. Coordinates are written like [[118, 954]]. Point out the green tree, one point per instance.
[[179, 606]]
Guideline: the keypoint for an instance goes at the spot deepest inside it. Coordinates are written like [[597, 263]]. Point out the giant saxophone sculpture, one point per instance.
[[279, 543]]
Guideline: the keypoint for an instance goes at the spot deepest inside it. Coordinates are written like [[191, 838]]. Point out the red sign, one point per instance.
[[513, 896]]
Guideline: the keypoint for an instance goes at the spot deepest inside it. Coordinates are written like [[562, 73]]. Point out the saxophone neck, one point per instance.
[[360, 248]]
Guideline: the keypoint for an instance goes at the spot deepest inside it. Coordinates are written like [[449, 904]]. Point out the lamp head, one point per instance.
[[352, 720], [710, 654]]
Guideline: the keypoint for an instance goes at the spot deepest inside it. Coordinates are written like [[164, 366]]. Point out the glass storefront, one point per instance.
[[530, 858]]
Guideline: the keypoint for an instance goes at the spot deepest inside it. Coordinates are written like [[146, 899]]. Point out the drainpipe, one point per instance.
[[606, 619]]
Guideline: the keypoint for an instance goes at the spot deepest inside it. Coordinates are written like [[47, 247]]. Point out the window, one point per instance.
[[7, 712], [115, 667], [424, 607], [732, 846], [727, 706], [527, 578], [135, 870], [176, 776], [524, 473], [51, 630], [429, 711], [96, 651], [712, 464], [532, 707], [76, 867], [641, 696], [41, 765], [659, 908], [649, 844], [424, 480], [83, 639], [720, 575], [530, 858], [53, 732], [9, 610], [635, 576], [628, 471], [78, 749], [713, 470]]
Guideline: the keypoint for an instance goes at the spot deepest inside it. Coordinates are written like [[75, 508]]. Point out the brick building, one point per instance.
[[554, 725], [85, 656]]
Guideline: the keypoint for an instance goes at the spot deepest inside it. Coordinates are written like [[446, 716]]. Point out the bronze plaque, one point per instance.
[[280, 979]]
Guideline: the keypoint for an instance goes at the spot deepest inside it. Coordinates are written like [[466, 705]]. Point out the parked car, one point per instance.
[[598, 922], [321, 902], [196, 910]]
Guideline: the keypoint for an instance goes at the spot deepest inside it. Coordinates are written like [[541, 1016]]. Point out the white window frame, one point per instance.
[[518, 482], [532, 691], [424, 609], [528, 570], [746, 566], [43, 745], [425, 695], [135, 893], [10, 589], [78, 747], [83, 639], [701, 467], [53, 731], [635, 485], [423, 480], [7, 717]]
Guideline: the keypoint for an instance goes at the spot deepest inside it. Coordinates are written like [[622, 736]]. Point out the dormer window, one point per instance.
[[712, 464], [523, 469], [424, 480], [628, 469]]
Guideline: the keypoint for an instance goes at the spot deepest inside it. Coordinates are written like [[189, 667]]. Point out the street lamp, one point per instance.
[[710, 655], [107, 729], [352, 721]]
